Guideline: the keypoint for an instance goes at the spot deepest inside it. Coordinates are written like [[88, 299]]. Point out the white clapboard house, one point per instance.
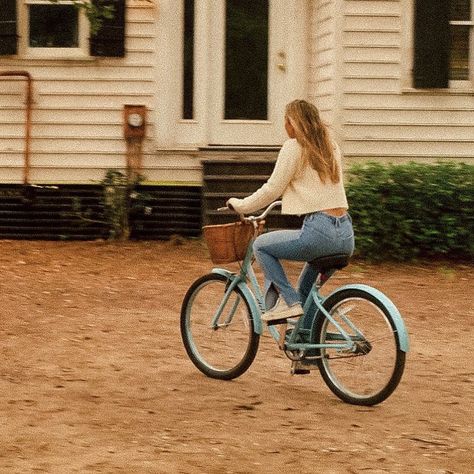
[[393, 78]]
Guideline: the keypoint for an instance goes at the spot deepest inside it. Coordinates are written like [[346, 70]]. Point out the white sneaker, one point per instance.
[[282, 311]]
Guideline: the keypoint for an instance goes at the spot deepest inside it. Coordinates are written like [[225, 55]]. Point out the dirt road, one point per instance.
[[93, 376]]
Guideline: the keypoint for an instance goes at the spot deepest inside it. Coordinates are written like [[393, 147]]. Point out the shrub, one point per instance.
[[412, 210]]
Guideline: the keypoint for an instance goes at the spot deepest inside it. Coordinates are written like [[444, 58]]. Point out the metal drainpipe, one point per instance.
[[29, 103]]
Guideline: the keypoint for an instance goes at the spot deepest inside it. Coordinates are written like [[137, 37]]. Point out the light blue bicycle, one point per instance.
[[356, 337]]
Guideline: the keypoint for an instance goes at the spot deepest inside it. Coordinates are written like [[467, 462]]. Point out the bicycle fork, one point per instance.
[[215, 324]]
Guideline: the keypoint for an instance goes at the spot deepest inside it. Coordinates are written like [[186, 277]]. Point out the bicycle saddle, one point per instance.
[[329, 262]]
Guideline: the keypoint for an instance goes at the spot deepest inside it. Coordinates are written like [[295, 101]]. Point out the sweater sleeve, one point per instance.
[[285, 169]]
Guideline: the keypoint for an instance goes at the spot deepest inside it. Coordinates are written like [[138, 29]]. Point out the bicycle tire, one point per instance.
[[342, 371], [227, 350]]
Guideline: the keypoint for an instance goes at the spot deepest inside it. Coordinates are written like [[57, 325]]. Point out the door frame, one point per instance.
[[171, 130]]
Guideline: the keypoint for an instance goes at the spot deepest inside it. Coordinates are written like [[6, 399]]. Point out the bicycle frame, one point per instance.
[[256, 301]]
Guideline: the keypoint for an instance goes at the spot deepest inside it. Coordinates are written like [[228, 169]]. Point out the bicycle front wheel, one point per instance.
[[370, 371], [217, 328]]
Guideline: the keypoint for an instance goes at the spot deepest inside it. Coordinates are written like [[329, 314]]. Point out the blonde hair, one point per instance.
[[313, 136]]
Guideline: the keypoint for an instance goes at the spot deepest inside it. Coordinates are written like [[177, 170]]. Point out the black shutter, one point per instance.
[[110, 39], [8, 35], [432, 44]]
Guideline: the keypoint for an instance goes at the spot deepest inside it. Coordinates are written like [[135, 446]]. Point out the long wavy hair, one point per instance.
[[313, 136]]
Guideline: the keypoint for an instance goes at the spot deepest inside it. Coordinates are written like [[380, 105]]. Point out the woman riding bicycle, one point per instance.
[[308, 178]]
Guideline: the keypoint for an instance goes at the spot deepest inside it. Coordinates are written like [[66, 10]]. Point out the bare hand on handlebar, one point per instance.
[[250, 218]]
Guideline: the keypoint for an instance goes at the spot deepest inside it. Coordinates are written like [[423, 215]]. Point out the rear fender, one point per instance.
[[402, 333]]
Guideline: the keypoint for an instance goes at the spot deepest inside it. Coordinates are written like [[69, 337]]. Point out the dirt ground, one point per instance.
[[94, 377]]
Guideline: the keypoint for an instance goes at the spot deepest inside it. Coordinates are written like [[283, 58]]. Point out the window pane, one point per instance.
[[188, 60], [460, 10], [53, 26], [459, 61], [246, 59]]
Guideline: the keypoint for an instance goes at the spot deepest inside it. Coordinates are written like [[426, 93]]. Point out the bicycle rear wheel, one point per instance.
[[370, 372], [225, 348]]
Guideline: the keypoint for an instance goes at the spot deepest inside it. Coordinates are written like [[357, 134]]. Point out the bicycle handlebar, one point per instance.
[[254, 218]]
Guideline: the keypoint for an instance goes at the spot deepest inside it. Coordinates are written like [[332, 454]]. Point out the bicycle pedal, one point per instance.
[[275, 322], [302, 367], [300, 372], [297, 369]]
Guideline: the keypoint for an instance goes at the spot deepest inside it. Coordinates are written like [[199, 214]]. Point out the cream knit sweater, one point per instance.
[[299, 186]]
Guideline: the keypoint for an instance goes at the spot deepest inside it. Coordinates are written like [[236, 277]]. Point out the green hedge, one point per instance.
[[412, 210]]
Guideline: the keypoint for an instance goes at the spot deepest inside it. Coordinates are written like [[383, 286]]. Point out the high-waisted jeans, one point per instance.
[[320, 235]]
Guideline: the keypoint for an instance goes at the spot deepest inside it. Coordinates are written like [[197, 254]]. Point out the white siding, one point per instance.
[[359, 73], [323, 62], [77, 116], [382, 118]]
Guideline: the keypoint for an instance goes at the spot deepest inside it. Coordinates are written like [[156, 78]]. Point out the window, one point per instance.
[[246, 59], [188, 60], [53, 26], [460, 25], [40, 28], [54, 29], [443, 44]]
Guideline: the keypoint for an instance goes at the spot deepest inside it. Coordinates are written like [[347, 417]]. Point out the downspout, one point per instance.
[[29, 103]]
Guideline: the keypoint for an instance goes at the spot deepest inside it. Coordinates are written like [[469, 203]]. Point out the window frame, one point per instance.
[[28, 52], [467, 83]]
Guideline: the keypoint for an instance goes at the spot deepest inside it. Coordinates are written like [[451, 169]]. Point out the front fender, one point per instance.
[[255, 311], [402, 333]]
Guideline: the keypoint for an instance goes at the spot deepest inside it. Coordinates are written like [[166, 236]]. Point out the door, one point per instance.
[[226, 69], [255, 68]]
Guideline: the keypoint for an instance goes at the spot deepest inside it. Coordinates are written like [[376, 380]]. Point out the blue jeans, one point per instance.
[[320, 235]]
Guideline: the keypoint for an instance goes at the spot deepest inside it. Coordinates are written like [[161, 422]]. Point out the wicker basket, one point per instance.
[[228, 242]]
